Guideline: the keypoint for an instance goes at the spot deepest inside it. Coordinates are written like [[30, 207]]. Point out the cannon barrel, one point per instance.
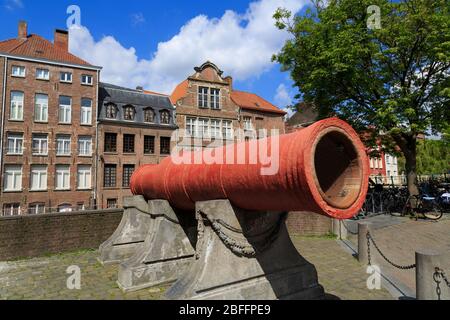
[[322, 168]]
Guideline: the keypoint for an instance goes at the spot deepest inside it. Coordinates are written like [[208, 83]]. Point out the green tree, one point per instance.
[[394, 79]]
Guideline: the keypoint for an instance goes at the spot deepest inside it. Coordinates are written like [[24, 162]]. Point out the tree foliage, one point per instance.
[[394, 80]]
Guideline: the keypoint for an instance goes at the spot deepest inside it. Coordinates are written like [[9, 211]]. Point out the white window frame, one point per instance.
[[215, 98], [63, 145], [248, 126], [84, 177], [65, 112], [227, 129], [86, 113], [85, 77], [62, 174], [40, 138], [42, 74], [191, 126], [21, 74], [65, 77], [39, 172], [85, 146], [203, 92], [8, 212], [215, 128], [14, 172], [40, 109], [203, 128], [16, 106], [17, 148]]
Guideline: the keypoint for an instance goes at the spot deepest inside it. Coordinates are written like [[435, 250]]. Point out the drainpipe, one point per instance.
[[96, 141], [3, 121]]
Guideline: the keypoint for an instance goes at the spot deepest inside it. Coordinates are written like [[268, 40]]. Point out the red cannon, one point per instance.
[[322, 168]]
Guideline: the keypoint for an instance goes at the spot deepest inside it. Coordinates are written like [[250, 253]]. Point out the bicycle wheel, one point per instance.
[[433, 213]]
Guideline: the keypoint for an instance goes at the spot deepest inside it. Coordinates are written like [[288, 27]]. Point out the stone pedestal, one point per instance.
[[130, 234], [167, 251], [245, 255]]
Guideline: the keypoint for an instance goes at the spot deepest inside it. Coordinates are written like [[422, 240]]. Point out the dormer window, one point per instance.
[[149, 115], [111, 111], [165, 117], [128, 113]]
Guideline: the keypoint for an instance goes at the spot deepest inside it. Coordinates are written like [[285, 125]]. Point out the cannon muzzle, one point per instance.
[[323, 169]]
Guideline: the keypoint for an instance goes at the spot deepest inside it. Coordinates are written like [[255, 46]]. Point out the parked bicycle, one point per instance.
[[417, 205]]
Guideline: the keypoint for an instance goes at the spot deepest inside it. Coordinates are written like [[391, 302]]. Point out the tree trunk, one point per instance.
[[408, 146]]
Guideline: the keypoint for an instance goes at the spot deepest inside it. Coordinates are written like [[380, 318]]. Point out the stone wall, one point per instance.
[[308, 224], [32, 236]]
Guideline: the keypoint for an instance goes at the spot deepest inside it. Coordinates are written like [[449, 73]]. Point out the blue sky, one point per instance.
[[157, 43]]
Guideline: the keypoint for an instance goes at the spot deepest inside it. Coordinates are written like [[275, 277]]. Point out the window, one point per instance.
[[42, 74], [215, 129], [38, 178], [111, 203], [86, 111], [12, 178], [87, 79], [62, 177], [129, 113], [84, 177], [63, 145], [41, 108], [203, 97], [18, 71], [109, 176], [248, 123], [149, 115], [215, 98], [149, 144], [65, 208], [65, 109], [65, 77], [110, 142], [165, 117], [85, 146], [111, 111], [40, 144], [36, 208], [11, 209], [15, 143], [81, 206], [227, 130], [165, 145], [16, 106], [128, 143], [128, 170], [203, 128], [191, 126]]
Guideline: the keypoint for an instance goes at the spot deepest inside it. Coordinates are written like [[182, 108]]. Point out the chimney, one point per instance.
[[23, 32], [62, 39], [230, 81]]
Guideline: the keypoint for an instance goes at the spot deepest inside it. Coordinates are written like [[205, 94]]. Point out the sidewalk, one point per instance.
[[45, 278]]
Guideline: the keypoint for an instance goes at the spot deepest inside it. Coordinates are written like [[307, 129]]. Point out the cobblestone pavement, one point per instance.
[[399, 239], [45, 278]]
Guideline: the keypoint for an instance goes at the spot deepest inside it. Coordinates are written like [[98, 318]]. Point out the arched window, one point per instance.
[[165, 117], [149, 115], [129, 112], [111, 111]]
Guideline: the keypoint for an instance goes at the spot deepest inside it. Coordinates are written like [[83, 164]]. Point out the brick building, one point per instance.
[[208, 107], [48, 125], [134, 128]]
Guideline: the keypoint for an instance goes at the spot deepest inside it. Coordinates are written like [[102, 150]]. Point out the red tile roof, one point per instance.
[[35, 46], [179, 92], [247, 100]]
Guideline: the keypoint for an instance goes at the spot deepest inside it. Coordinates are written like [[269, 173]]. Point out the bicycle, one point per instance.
[[421, 204]]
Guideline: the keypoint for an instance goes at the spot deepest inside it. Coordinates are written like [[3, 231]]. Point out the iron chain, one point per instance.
[[440, 274], [370, 239]]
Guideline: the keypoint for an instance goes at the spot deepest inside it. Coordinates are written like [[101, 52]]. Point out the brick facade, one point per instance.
[[30, 86], [308, 224], [32, 236]]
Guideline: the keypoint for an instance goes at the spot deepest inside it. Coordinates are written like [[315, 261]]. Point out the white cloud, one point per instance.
[[240, 44], [13, 4], [283, 97]]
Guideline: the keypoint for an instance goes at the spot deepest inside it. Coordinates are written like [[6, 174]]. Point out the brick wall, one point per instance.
[[32, 236], [308, 224]]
